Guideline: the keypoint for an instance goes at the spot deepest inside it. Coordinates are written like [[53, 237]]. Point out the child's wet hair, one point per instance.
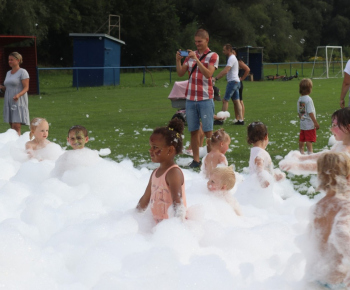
[[333, 170], [219, 136], [33, 124], [305, 87], [78, 128], [257, 131], [343, 119], [227, 176], [172, 134]]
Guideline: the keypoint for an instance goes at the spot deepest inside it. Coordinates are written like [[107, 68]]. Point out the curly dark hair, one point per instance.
[[257, 131], [343, 119], [172, 134]]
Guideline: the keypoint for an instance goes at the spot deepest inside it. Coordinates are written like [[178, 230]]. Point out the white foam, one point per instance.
[[223, 115], [71, 224]]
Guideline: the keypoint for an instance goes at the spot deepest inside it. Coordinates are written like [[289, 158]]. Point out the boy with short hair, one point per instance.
[[72, 159], [77, 137], [307, 115]]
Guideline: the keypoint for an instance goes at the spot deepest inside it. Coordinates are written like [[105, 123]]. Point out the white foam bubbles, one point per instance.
[[69, 223]]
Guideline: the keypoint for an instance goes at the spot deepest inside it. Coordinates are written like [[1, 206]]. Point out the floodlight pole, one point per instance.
[[111, 26]]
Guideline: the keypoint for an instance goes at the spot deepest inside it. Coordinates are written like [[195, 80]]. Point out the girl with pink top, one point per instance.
[[165, 191]]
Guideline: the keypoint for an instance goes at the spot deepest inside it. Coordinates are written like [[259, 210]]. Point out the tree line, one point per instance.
[[154, 29]]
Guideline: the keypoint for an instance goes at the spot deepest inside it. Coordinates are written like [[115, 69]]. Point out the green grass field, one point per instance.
[[121, 118]]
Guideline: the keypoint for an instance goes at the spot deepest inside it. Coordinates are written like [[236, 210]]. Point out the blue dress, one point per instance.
[[16, 111]]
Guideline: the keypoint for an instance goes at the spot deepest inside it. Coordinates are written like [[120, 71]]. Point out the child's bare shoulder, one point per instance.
[[30, 145], [335, 203]]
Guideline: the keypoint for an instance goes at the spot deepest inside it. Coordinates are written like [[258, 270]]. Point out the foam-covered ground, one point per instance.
[[75, 227]]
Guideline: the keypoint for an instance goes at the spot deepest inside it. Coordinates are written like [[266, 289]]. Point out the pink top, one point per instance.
[[161, 198]]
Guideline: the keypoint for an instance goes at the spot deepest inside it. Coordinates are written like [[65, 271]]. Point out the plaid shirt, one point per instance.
[[200, 88]]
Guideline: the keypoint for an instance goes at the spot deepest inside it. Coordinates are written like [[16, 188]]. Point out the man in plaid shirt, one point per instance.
[[200, 65]]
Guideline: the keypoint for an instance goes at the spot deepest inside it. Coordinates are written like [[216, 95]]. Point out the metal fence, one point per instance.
[[303, 69]]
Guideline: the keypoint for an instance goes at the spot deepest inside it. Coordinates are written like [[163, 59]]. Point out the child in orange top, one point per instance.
[[219, 142], [166, 188], [330, 224]]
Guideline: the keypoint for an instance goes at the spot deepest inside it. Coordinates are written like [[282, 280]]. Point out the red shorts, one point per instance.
[[307, 135]]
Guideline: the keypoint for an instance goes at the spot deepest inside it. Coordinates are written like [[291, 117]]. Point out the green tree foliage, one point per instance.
[[153, 30], [150, 29]]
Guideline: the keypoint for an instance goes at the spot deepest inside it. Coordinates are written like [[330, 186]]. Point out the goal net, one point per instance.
[[328, 62]]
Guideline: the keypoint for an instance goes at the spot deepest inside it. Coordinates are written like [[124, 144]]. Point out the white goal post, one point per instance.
[[328, 62]]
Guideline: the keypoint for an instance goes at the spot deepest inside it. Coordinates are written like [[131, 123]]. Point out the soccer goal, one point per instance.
[[328, 62]]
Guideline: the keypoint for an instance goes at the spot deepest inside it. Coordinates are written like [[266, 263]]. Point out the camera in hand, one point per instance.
[[183, 52]]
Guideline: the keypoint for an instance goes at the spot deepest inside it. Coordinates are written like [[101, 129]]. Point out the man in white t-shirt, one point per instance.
[[346, 85], [233, 83]]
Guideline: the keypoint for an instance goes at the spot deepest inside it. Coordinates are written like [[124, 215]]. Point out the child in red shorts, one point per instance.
[[307, 115]]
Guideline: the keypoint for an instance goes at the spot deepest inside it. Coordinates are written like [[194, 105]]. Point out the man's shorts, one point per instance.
[[232, 91], [307, 135], [200, 111]]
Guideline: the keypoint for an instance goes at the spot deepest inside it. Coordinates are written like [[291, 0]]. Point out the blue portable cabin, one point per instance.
[[96, 50], [253, 57]]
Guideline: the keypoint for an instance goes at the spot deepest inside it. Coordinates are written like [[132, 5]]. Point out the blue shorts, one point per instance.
[[200, 111], [232, 91]]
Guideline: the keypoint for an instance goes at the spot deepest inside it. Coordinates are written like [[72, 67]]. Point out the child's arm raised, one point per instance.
[[144, 200], [175, 180], [298, 166]]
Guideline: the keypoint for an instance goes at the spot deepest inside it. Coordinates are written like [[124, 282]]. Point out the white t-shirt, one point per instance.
[[232, 74], [305, 107], [347, 70], [257, 152]]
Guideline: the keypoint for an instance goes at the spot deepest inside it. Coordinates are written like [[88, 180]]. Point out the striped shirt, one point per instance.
[[200, 88]]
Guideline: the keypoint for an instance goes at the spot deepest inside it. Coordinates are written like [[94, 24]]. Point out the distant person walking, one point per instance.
[[233, 83], [346, 85], [16, 86], [200, 65], [242, 73]]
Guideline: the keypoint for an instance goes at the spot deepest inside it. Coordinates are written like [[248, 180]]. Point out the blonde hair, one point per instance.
[[219, 136], [17, 56], [227, 176], [34, 123], [333, 170], [305, 87]]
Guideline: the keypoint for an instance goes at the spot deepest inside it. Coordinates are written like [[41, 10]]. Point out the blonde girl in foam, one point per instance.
[[329, 262], [221, 180], [165, 192], [39, 131], [219, 143]]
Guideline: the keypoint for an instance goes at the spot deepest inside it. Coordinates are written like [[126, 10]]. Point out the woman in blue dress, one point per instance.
[[16, 86]]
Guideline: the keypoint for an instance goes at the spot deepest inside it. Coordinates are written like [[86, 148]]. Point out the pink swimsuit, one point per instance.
[[161, 198]]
